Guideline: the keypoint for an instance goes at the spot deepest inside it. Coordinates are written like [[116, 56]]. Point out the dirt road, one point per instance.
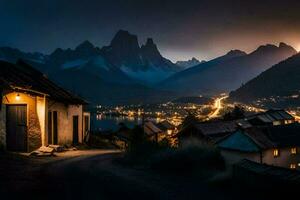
[[96, 175]]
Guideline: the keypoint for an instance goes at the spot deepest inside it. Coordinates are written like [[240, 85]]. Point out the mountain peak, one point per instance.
[[283, 45], [235, 53], [150, 42], [150, 45], [124, 39], [150, 49], [85, 44], [271, 48], [189, 63]]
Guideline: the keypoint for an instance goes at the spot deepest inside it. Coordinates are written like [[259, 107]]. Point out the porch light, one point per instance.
[[18, 97]]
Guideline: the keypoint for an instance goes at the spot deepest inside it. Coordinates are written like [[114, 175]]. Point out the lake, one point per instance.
[[110, 123]]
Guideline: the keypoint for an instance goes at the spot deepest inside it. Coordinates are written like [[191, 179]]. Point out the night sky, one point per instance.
[[182, 29]]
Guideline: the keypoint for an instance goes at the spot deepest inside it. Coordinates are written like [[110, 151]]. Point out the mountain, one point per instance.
[[98, 74], [281, 82], [193, 100], [227, 72], [189, 63], [85, 58], [144, 63], [97, 90], [12, 55], [187, 80]]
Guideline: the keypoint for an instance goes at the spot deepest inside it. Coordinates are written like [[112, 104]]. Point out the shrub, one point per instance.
[[2, 148], [188, 158]]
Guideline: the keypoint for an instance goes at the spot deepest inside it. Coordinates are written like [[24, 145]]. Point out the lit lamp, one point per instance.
[[18, 97]]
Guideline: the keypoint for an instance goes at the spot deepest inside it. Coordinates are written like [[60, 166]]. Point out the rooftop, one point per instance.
[[22, 76]]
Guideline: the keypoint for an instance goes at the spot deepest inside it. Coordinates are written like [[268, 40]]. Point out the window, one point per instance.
[[294, 150], [293, 166], [276, 152], [288, 121], [276, 123]]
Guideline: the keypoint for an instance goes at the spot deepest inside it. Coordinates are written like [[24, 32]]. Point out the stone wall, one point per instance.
[[34, 128]]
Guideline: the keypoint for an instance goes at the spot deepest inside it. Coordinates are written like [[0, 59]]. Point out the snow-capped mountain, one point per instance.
[[143, 63], [12, 55], [189, 63], [111, 75]]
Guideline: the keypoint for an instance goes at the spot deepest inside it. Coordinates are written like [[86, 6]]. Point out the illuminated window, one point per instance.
[[293, 166], [276, 152], [294, 150], [276, 123]]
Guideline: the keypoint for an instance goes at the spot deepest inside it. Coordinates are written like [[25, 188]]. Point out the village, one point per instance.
[[39, 119]]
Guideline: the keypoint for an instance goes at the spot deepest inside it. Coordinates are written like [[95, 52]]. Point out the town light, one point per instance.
[[18, 97]]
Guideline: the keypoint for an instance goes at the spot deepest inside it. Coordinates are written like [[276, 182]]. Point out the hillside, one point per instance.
[[281, 80], [228, 72]]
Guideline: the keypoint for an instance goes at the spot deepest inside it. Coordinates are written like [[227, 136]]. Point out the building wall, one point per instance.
[[41, 113], [65, 115], [76, 110], [34, 133], [84, 127], [232, 157], [285, 158], [3, 127]]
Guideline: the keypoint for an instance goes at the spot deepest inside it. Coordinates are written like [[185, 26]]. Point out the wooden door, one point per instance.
[[55, 128], [16, 128], [75, 130]]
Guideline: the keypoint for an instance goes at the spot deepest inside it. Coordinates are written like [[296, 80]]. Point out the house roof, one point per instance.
[[217, 127], [264, 138], [259, 138], [243, 123], [150, 128], [284, 135], [165, 125], [278, 173], [22, 76], [272, 115], [239, 141]]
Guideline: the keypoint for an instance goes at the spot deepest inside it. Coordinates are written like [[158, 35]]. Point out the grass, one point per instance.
[[194, 157], [191, 158]]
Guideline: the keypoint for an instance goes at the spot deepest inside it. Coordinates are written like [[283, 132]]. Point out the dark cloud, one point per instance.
[[202, 28]]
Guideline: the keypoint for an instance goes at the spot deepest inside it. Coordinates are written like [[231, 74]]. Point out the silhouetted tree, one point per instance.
[[189, 120], [236, 113]]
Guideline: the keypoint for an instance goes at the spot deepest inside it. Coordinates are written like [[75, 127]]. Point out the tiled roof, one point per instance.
[[259, 138], [277, 173], [272, 115], [269, 137], [22, 76], [211, 128], [150, 128], [165, 125], [284, 135]]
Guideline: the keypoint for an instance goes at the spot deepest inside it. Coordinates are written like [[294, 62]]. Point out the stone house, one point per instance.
[[36, 112], [273, 145]]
